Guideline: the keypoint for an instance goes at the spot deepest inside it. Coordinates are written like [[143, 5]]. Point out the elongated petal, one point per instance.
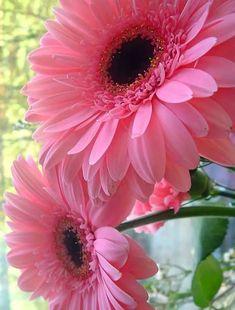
[[178, 140]]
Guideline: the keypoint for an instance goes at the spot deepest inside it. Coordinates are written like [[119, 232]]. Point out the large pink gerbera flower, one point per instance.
[[67, 248], [136, 89]]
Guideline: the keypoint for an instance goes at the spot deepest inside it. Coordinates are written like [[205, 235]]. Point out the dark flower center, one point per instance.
[[74, 246], [130, 60], [71, 248]]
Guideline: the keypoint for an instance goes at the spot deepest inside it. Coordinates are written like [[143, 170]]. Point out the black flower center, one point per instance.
[[130, 60], [74, 246]]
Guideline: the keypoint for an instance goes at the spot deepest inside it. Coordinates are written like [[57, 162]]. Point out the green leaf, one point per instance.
[[206, 281], [210, 235]]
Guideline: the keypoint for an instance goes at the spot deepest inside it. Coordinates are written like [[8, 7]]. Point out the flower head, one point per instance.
[[67, 249], [164, 197], [135, 89]]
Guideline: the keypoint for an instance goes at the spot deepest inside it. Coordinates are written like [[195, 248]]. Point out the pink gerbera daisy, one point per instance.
[[164, 197], [68, 249], [137, 89]]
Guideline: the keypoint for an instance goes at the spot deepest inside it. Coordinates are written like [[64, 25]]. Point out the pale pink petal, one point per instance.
[[174, 92], [85, 136], [108, 268], [149, 164], [69, 118], [200, 82], [141, 120], [29, 280], [190, 116], [120, 203], [118, 168], [178, 140], [198, 50], [112, 253], [103, 140], [137, 259]]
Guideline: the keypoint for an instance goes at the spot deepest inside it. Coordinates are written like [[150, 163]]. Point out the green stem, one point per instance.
[[187, 212], [227, 194]]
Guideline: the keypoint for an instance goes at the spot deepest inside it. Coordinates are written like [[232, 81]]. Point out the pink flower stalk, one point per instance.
[[67, 249], [164, 197], [135, 89]]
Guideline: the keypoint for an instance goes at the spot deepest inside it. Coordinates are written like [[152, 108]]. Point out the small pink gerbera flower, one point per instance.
[[137, 89], [164, 197], [68, 249]]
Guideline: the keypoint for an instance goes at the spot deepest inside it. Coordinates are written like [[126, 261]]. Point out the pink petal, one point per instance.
[[200, 82], [129, 284], [148, 163], [117, 155], [174, 92], [221, 69], [178, 140], [64, 35], [198, 20], [141, 189], [21, 258], [29, 280], [223, 29], [69, 118], [84, 137], [108, 184], [189, 115], [137, 259], [198, 50], [113, 211], [118, 294], [114, 253], [218, 150], [141, 120], [102, 298], [213, 112], [178, 176], [103, 140], [111, 271], [58, 150]]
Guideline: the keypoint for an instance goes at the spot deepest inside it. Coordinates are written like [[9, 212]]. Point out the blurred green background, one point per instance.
[[21, 26]]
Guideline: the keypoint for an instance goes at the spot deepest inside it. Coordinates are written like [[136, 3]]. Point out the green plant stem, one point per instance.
[[227, 194], [187, 212]]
